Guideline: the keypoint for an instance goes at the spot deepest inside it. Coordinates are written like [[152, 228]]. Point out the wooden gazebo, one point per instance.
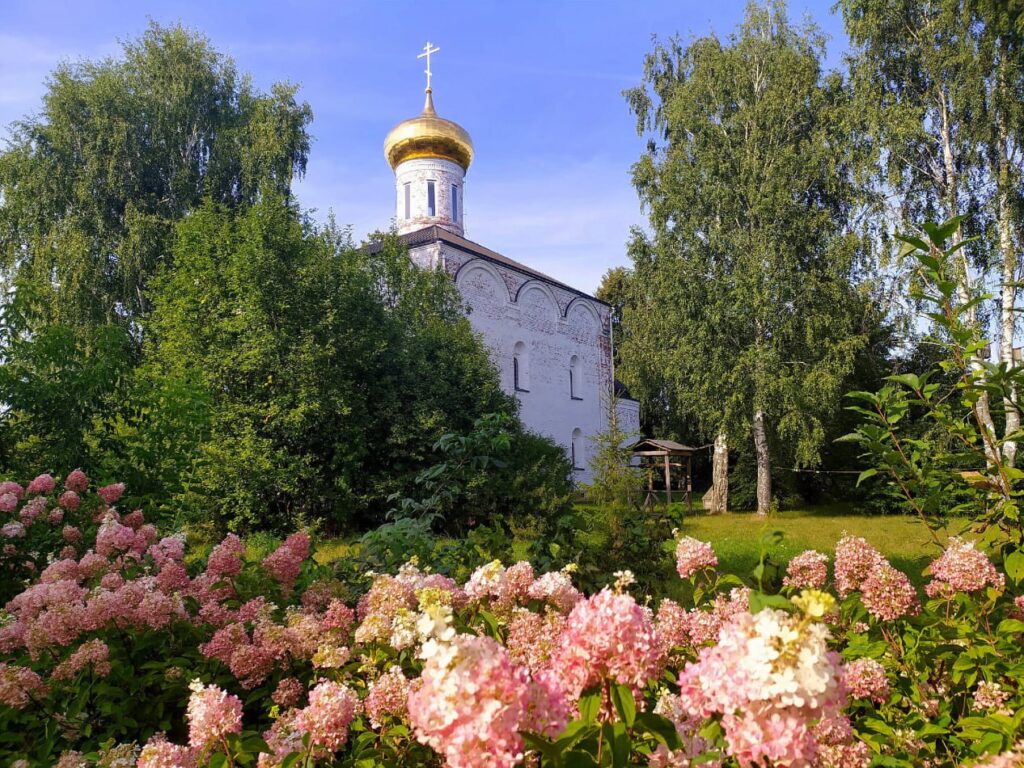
[[663, 456]]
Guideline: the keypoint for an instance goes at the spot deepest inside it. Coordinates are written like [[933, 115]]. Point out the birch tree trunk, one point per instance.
[[719, 498], [1007, 323], [764, 467], [1008, 312], [950, 181]]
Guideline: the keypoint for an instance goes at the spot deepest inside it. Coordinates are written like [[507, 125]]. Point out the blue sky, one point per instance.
[[537, 85]]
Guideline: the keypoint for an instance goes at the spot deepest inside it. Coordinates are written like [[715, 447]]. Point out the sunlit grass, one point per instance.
[[736, 536]]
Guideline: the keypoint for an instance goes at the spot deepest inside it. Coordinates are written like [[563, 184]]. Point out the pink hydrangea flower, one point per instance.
[[838, 746], [9, 486], [471, 705], [991, 696], [693, 556], [332, 708], [226, 557], [387, 697], [13, 530], [41, 485], [608, 637], [770, 677], [94, 654], [134, 519], [76, 481], [33, 509], [865, 679], [18, 685], [8, 502], [70, 501], [547, 710], [888, 594], [212, 714], [808, 570], [338, 618], [855, 560], [111, 494], [160, 753], [556, 589], [71, 534], [387, 598], [285, 562], [288, 693], [962, 568], [533, 638]]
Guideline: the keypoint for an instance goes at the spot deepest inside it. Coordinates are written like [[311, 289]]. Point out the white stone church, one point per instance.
[[551, 343]]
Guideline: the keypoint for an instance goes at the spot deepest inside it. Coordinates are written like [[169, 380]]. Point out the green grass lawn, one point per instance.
[[736, 536]]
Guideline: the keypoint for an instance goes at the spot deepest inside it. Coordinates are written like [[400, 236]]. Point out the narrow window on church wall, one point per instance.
[[408, 201], [455, 202], [431, 203], [574, 368], [520, 368], [576, 449]]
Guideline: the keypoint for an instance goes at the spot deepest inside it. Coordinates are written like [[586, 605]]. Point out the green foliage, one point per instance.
[[495, 469], [123, 148], [958, 458], [52, 387], [745, 294], [328, 370]]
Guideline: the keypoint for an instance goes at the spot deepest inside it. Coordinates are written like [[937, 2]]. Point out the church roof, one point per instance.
[[434, 233]]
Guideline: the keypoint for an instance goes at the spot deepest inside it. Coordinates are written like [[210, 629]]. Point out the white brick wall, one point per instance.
[[514, 310], [553, 325]]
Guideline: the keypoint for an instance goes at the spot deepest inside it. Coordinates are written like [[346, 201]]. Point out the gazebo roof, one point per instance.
[[656, 446]]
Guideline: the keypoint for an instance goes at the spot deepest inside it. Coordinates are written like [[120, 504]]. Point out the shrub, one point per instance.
[[122, 646]]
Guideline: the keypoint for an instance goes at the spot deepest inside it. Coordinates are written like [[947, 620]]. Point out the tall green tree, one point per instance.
[[91, 189], [92, 185], [745, 318], [330, 370], [939, 88]]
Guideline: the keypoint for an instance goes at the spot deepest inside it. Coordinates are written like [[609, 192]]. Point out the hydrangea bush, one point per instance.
[[117, 649]]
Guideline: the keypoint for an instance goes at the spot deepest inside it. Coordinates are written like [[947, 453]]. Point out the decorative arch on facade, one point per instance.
[[538, 308], [476, 280], [537, 285], [581, 304], [584, 322]]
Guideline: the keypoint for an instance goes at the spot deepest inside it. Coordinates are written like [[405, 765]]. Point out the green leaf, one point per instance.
[[547, 748], [758, 601], [661, 728], [1014, 564], [618, 740], [590, 705], [866, 474], [580, 759], [625, 705], [253, 744], [1010, 627]]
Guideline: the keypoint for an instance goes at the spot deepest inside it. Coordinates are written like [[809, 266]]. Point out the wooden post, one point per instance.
[[689, 484], [668, 483]]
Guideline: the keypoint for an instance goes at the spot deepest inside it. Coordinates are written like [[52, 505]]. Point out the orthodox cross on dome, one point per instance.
[[427, 50]]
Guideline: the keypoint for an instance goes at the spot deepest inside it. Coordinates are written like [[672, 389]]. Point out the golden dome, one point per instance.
[[428, 136]]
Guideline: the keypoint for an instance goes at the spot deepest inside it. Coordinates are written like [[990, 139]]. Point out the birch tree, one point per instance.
[[744, 314]]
